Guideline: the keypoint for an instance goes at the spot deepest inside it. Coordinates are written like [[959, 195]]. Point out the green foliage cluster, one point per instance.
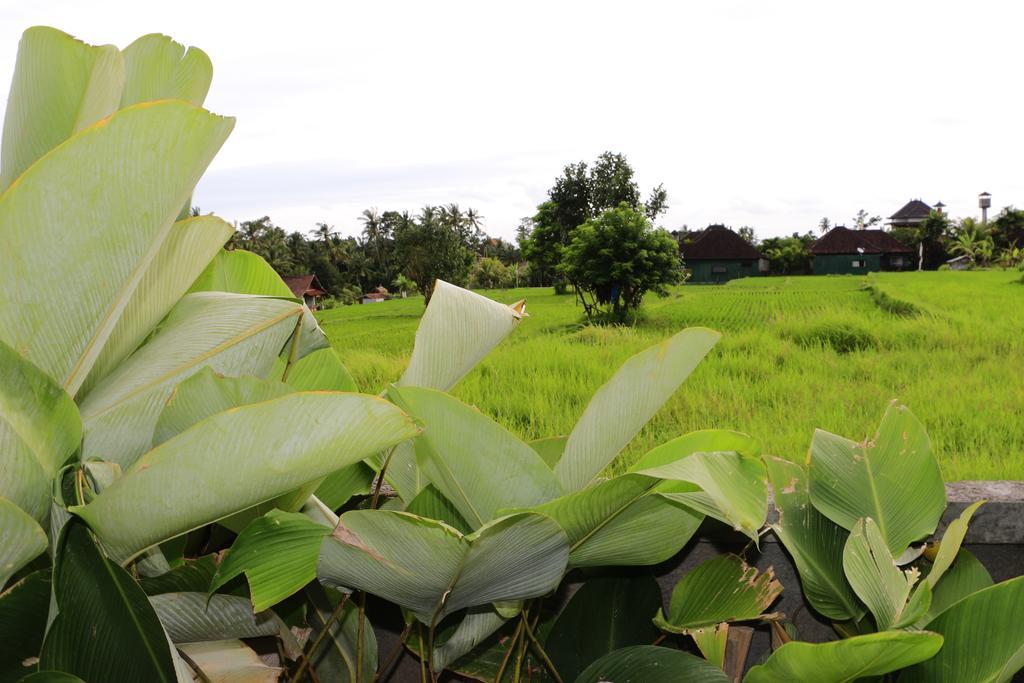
[[617, 258], [579, 195]]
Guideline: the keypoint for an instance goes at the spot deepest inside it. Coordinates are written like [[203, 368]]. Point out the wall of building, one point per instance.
[[704, 271], [842, 264]]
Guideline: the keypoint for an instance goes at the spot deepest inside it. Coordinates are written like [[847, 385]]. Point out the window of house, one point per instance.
[[748, 264], [897, 261], [858, 264], [718, 269]]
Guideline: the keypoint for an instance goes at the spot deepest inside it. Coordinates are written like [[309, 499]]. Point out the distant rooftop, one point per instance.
[[842, 240], [718, 242]]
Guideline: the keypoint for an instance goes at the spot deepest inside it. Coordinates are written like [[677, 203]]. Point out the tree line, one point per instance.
[[394, 249]]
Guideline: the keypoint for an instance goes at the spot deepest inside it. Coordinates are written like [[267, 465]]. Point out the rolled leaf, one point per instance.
[[157, 498], [472, 460], [844, 661], [60, 86], [150, 156], [433, 570], [893, 479], [457, 330], [815, 542], [950, 545], [627, 401]]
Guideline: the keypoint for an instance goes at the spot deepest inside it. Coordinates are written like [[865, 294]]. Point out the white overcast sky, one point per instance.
[[769, 114]]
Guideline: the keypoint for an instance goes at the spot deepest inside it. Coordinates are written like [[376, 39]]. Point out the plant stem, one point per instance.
[[423, 661], [359, 637], [508, 653], [518, 670], [293, 351], [541, 652], [380, 478], [307, 659]]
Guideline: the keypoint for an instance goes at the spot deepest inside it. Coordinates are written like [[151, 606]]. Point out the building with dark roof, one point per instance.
[[842, 251], [912, 214], [305, 287], [717, 254]]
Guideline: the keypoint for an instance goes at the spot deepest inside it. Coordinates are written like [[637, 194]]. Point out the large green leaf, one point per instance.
[[277, 553], [431, 504], [230, 661], [158, 68], [60, 86], [457, 330], [845, 661], [651, 664], [23, 610], [191, 617], [205, 394], [815, 542], [620, 522], [338, 487], [191, 243], [984, 638], [476, 626], [473, 461], [627, 401], [874, 575], [39, 430], [734, 487], [722, 589], [605, 614], [191, 576], [257, 460], [433, 570], [21, 540], [242, 272], [320, 371], [965, 576], [230, 333], [892, 478], [150, 156], [106, 629]]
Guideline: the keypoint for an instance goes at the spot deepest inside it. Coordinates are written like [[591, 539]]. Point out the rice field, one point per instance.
[[798, 353]]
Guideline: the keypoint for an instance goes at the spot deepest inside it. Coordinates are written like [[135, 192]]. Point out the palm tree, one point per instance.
[[966, 244], [824, 225]]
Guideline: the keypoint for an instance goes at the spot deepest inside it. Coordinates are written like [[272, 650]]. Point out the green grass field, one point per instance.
[[797, 354]]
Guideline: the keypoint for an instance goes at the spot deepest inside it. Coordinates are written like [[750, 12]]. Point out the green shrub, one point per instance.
[[842, 336]]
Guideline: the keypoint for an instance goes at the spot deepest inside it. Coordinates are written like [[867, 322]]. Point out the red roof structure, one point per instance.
[[304, 285]]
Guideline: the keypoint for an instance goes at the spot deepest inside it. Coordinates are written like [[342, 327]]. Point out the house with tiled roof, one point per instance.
[[842, 251], [305, 287], [912, 214], [717, 254]]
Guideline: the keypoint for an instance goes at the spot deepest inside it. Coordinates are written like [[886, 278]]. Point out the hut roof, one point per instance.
[[915, 209], [842, 240], [307, 285], [718, 242]]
